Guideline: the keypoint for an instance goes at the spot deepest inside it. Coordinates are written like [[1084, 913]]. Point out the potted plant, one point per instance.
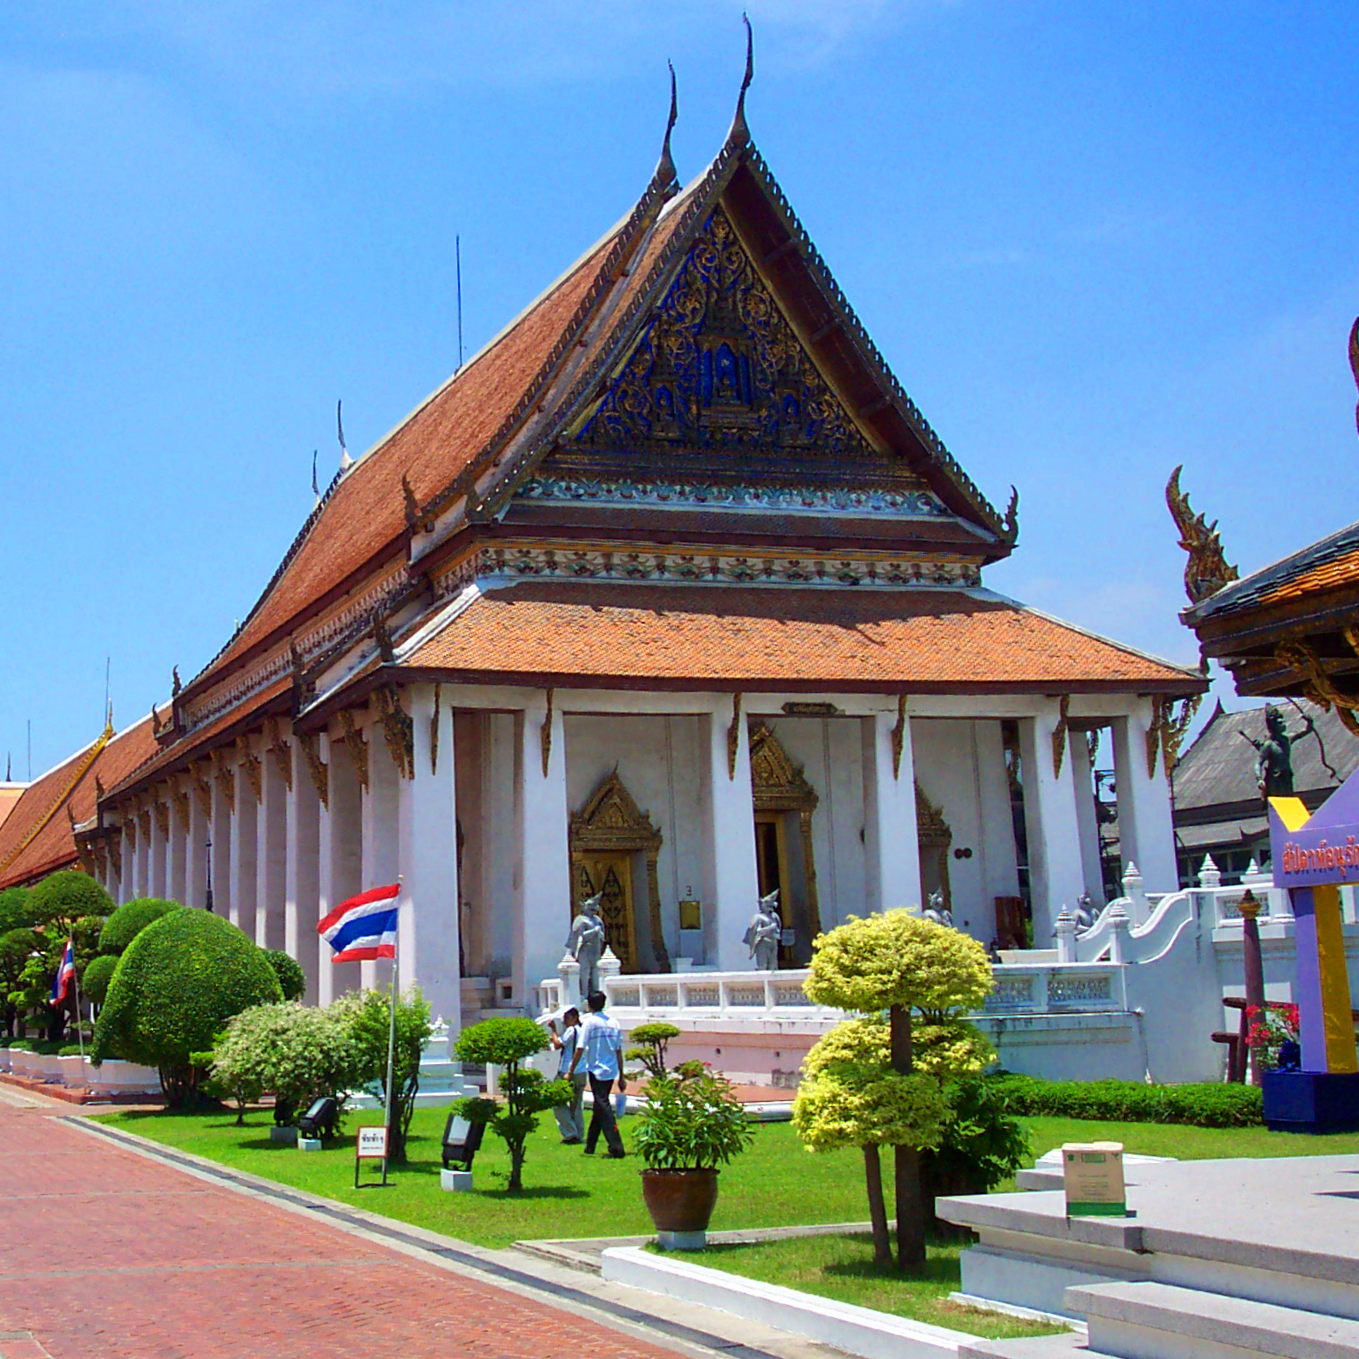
[[691, 1124]]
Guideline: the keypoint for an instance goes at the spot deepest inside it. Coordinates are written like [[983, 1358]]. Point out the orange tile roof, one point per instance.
[[1327, 575], [36, 836], [197, 742], [728, 636]]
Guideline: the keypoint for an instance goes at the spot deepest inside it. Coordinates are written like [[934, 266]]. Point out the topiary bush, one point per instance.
[[61, 898], [179, 982], [94, 985], [1204, 1105], [289, 972], [368, 1015], [129, 920], [16, 909]]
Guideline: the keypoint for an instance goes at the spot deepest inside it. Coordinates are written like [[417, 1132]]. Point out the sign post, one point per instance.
[[1312, 854], [371, 1145]]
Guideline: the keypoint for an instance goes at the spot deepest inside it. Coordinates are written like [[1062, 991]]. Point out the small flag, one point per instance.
[[364, 926], [65, 972]]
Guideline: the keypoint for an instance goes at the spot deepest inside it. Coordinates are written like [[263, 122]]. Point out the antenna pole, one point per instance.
[[30, 750], [457, 260]]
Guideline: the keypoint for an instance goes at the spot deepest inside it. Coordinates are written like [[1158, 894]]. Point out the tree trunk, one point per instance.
[[877, 1208], [910, 1211]]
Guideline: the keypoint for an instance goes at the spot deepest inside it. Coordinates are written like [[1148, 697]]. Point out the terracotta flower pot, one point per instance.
[[680, 1200]]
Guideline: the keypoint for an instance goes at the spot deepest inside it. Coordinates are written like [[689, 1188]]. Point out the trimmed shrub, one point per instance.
[[63, 897], [368, 1015], [16, 909], [94, 985], [179, 982], [129, 920], [297, 1053], [1206, 1105], [291, 979]]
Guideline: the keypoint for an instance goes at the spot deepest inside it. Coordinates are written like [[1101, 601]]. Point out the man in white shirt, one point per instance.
[[600, 1053], [570, 1117]]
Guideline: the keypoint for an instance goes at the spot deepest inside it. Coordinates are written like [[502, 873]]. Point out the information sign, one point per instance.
[[1093, 1175]]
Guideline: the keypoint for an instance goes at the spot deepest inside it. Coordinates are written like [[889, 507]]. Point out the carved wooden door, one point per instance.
[[611, 875]]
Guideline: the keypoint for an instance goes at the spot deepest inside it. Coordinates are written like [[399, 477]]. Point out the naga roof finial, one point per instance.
[[666, 174], [740, 132], [1354, 362], [1207, 569]]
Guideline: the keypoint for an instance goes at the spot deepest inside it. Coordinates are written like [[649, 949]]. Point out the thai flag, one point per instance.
[[364, 926], [62, 981]]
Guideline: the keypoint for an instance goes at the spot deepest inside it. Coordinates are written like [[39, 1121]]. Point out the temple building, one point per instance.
[[672, 594]]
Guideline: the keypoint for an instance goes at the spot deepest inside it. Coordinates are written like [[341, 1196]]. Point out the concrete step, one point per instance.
[[1069, 1345], [1163, 1321]]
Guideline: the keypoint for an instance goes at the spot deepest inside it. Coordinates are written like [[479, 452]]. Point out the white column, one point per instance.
[[1145, 830], [139, 880], [220, 835], [243, 871], [1087, 815], [428, 947], [733, 878], [302, 885], [340, 863], [1056, 874], [127, 890], [381, 831], [271, 852], [156, 852], [891, 846], [146, 838], [543, 919], [195, 847]]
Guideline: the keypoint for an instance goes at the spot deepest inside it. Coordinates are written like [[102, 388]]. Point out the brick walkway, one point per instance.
[[105, 1254]]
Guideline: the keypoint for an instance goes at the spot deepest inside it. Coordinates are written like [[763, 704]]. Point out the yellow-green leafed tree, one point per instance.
[[861, 1091]]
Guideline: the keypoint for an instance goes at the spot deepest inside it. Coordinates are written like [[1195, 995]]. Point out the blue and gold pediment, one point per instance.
[[718, 367]]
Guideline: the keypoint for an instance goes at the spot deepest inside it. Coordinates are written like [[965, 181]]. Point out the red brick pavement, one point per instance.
[[107, 1255]]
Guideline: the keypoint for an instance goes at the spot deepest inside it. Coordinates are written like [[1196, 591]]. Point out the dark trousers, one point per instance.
[[602, 1119]]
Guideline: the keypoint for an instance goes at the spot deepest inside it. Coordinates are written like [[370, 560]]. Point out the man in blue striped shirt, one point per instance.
[[600, 1052]]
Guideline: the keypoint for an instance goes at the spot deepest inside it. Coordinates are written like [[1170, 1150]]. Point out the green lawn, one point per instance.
[[569, 1194], [842, 1267]]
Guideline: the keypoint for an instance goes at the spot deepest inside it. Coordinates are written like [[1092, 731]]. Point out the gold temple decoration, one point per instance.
[[1354, 362], [933, 836], [1059, 736], [899, 736], [434, 730], [1319, 686], [202, 788], [1207, 569], [357, 745], [116, 855], [778, 786], [398, 730], [1166, 733], [1010, 529], [145, 817], [161, 811], [316, 766], [280, 751], [130, 830], [254, 772], [545, 732], [606, 836], [181, 800], [226, 778], [733, 735]]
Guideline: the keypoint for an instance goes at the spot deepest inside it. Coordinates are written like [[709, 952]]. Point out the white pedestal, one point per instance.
[[455, 1181], [682, 1240], [309, 1144]]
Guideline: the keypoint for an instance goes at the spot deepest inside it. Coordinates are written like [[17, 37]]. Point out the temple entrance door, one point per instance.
[[611, 875], [934, 839], [614, 847]]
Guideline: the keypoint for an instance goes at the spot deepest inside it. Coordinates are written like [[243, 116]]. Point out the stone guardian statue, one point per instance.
[[586, 943], [763, 933]]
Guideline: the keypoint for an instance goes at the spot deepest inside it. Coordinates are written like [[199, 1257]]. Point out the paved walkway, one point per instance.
[[105, 1253]]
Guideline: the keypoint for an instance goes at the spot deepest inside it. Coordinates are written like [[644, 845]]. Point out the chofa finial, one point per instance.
[[740, 132], [1354, 362], [665, 167]]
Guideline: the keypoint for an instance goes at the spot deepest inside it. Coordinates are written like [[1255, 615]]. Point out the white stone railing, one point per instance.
[[1056, 988], [713, 993]]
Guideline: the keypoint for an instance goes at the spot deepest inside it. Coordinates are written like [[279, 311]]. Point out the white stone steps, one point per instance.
[[1068, 1345], [1149, 1320]]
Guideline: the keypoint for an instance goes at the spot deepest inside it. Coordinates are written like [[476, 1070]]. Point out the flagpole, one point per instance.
[[75, 981], [391, 1044]]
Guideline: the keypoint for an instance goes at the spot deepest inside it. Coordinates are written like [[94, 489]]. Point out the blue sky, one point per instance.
[[1093, 240]]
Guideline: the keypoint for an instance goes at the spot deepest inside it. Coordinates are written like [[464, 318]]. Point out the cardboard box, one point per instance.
[[1093, 1174]]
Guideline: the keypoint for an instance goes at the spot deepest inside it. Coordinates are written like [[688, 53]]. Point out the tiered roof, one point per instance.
[[38, 836]]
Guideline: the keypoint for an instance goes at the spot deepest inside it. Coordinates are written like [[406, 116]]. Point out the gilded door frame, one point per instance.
[[933, 837], [778, 785], [610, 822]]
